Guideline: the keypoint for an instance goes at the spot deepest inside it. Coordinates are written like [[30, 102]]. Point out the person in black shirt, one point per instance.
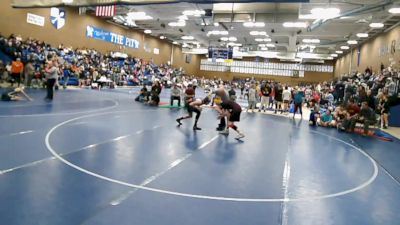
[[278, 98], [366, 116], [371, 100], [232, 111], [384, 110], [143, 95], [155, 93], [194, 106]]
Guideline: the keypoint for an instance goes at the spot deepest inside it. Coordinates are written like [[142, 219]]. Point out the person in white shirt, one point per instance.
[[286, 96], [252, 98]]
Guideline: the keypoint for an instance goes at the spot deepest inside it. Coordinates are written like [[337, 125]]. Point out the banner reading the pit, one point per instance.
[[100, 34]]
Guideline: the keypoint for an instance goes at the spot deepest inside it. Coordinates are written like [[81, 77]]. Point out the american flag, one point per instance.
[[105, 10]]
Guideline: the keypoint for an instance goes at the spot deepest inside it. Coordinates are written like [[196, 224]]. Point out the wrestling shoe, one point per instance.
[[240, 136]]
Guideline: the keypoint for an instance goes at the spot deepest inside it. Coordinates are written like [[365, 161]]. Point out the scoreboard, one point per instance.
[[220, 53]]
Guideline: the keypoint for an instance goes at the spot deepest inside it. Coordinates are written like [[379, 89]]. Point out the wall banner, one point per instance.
[[107, 36], [35, 19]]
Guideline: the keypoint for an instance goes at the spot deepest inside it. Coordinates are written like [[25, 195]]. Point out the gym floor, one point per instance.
[[100, 158]]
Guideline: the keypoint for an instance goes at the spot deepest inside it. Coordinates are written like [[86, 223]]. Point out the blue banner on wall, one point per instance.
[[100, 34]]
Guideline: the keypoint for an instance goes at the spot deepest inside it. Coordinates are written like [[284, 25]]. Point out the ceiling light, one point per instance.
[[248, 24], [183, 17], [224, 39], [232, 39], [217, 32], [180, 23], [68, 1], [196, 13], [259, 24], [234, 44], [253, 24], [263, 39], [175, 43], [376, 25], [352, 42], [344, 47], [264, 49], [187, 37], [162, 37], [147, 31], [138, 16], [295, 24], [362, 35], [325, 13], [261, 45], [216, 24], [334, 55], [258, 33], [394, 10], [339, 52], [302, 47], [314, 41], [270, 45]]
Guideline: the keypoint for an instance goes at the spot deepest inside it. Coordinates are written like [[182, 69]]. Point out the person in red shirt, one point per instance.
[[352, 111], [352, 108]]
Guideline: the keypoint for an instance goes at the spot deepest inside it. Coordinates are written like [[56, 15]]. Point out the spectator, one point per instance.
[[143, 95], [155, 93], [298, 102], [252, 98], [265, 93], [17, 68], [232, 94], [278, 98], [366, 116], [175, 95], [326, 119], [29, 71], [51, 76], [286, 95], [384, 111], [391, 87]]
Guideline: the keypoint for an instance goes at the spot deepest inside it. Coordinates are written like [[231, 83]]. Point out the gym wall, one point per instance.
[[372, 53], [309, 77]]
